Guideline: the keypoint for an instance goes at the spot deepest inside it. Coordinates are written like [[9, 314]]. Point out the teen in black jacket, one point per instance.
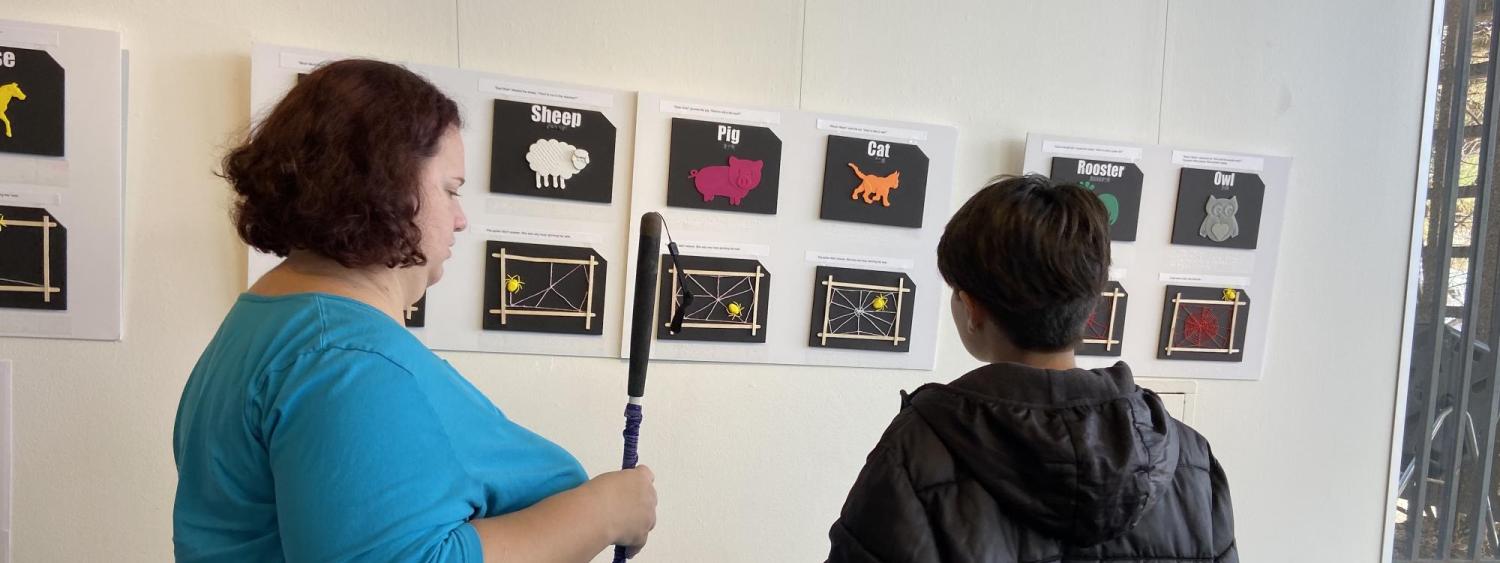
[[1030, 459]]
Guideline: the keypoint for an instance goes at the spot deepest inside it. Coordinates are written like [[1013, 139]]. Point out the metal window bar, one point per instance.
[[1485, 507], [1442, 214], [1481, 502], [1447, 519]]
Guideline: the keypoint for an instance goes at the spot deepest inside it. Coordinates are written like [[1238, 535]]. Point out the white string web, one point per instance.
[[716, 308], [20, 282], [853, 312], [548, 298]]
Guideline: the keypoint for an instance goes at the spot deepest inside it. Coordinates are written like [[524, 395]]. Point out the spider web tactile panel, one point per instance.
[[1204, 324], [543, 288], [861, 310], [728, 304], [33, 259], [1104, 332]]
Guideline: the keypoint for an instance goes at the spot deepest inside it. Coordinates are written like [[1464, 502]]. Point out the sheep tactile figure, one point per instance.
[[554, 162]]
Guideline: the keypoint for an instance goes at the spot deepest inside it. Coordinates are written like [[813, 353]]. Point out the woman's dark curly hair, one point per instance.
[[335, 167]]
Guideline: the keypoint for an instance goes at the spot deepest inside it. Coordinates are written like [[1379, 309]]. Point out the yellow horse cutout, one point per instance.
[[9, 92]]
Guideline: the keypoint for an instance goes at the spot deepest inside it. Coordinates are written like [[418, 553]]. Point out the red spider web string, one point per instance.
[[1094, 329], [1201, 327]]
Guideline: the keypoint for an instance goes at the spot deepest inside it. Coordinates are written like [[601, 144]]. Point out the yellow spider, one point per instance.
[[514, 283], [735, 310], [880, 303], [1231, 295]]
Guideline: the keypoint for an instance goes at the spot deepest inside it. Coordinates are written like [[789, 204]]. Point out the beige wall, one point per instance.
[[754, 460]]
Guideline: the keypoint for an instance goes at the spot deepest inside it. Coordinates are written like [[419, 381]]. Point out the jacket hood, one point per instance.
[[1079, 455]]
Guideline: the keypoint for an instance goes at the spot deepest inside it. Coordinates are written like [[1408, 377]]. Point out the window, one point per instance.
[[1446, 484]]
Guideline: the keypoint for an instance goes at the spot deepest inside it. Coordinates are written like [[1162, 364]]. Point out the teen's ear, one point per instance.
[[975, 315]]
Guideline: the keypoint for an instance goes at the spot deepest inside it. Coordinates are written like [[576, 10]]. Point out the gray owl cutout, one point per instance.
[[1220, 224]]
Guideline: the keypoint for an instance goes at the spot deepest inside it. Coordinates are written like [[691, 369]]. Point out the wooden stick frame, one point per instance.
[[507, 310], [1234, 318], [1114, 295], [46, 224], [753, 326], [830, 285]]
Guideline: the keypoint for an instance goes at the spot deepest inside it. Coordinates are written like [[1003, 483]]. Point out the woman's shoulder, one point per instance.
[[308, 336], [349, 322], [377, 356], [314, 323]]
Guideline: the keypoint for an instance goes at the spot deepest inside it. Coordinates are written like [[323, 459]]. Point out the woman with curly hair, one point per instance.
[[314, 426]]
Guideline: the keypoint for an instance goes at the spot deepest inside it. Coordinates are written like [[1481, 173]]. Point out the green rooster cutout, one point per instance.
[[1111, 203]]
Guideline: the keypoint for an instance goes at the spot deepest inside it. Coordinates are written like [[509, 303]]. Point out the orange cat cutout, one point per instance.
[[873, 187]]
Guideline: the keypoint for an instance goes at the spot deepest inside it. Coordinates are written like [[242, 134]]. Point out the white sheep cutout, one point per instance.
[[554, 162]]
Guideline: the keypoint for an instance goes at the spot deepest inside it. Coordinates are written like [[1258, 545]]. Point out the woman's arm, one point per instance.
[[364, 470], [575, 525]]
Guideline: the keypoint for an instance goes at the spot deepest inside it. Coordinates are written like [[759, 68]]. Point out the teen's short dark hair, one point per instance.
[[1034, 253], [335, 168]]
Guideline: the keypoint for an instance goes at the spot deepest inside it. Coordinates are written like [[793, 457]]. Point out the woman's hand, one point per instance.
[[628, 497], [617, 508]]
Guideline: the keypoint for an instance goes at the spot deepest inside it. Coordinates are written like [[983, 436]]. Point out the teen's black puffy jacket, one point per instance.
[[1011, 463]]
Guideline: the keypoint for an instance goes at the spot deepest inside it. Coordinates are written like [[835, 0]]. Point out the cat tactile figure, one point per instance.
[[732, 181], [1220, 224], [874, 187]]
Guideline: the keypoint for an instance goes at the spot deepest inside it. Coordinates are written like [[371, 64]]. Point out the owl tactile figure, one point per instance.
[[1220, 224]]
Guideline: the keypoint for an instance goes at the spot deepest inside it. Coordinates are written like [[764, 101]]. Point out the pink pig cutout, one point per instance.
[[732, 181]]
